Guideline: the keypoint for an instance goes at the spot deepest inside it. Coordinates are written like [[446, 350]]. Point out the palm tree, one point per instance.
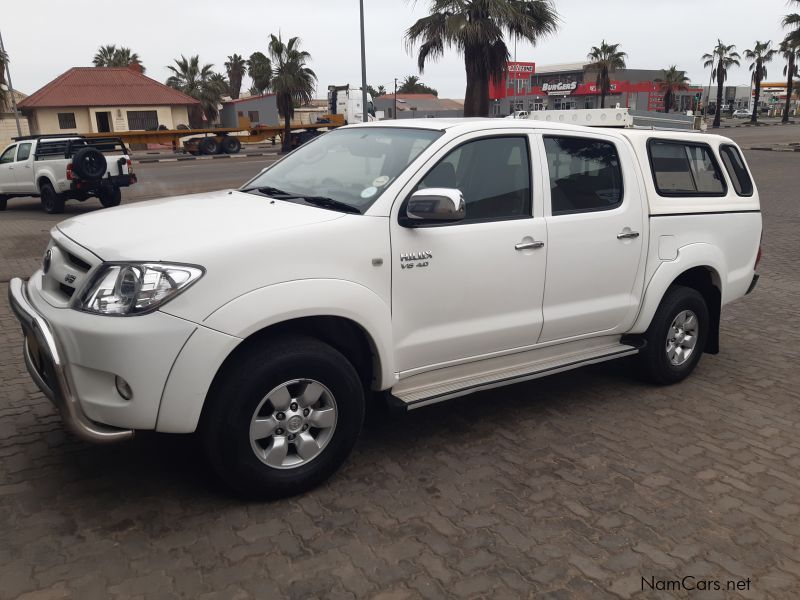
[[259, 68], [4, 92], [673, 81], [381, 90], [477, 30], [412, 85], [725, 58], [790, 48], [223, 85], [760, 54], [292, 81], [111, 56], [198, 82], [605, 60], [236, 67], [104, 55]]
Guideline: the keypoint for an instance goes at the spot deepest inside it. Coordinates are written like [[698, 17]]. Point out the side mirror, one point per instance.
[[435, 205]]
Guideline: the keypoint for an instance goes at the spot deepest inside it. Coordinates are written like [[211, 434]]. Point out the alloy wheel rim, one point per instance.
[[682, 337], [293, 423]]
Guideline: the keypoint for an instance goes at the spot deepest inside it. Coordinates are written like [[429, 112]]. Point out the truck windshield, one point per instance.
[[346, 166]]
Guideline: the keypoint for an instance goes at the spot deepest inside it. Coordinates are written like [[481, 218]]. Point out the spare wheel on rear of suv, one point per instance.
[[89, 163]]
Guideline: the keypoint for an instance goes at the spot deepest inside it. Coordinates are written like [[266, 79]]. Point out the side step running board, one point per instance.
[[411, 396]]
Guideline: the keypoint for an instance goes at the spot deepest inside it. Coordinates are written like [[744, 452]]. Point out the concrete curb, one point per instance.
[[142, 161], [750, 125], [774, 148]]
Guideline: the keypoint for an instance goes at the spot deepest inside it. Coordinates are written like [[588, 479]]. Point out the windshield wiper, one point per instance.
[[270, 191], [325, 202], [322, 201]]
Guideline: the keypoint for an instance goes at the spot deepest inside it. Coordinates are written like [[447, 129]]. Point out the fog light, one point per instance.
[[123, 388]]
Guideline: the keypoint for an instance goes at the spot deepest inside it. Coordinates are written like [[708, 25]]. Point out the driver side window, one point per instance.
[[493, 174], [8, 155]]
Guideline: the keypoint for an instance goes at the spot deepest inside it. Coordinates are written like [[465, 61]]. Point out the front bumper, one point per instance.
[[46, 364]]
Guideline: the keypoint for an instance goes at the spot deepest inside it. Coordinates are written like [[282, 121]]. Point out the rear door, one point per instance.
[[596, 229], [7, 179]]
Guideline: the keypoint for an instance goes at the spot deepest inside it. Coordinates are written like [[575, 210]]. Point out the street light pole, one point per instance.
[[395, 97], [363, 67], [11, 89]]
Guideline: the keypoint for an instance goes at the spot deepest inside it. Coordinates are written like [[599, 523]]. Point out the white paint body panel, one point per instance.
[[478, 303]]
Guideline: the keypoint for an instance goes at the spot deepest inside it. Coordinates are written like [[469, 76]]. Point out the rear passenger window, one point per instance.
[[736, 170], [685, 169], [585, 175]]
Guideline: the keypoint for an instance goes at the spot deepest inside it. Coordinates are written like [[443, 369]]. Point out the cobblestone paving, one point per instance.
[[576, 486]]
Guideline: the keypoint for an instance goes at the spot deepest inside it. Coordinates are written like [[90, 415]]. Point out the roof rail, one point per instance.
[[44, 136]]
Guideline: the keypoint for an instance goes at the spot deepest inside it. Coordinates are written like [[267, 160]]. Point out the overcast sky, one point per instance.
[[44, 38]]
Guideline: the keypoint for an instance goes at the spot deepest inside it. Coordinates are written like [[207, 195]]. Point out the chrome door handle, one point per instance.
[[528, 245], [629, 235]]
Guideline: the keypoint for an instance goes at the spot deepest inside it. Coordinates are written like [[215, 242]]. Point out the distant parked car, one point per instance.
[[741, 113]]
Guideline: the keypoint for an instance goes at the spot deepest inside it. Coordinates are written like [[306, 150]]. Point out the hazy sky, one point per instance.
[[44, 37]]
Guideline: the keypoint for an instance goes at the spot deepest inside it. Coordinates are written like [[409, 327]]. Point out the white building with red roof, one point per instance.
[[101, 99]]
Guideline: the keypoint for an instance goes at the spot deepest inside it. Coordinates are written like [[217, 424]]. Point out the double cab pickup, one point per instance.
[[403, 261]]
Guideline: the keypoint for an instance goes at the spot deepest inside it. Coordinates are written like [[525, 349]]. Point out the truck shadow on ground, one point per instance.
[[165, 468]]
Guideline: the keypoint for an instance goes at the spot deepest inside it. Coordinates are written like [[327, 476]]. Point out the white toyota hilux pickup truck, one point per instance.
[[422, 259], [58, 168]]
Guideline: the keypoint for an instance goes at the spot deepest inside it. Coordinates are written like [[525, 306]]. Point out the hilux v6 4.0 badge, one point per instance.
[[409, 260]]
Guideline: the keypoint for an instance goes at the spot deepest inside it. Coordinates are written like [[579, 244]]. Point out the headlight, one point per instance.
[[133, 289]]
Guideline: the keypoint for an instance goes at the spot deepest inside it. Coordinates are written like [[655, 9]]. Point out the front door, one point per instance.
[[474, 288], [23, 169], [8, 181], [103, 121], [596, 227]]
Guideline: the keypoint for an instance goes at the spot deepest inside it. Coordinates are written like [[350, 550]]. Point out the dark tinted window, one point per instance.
[[66, 121], [493, 174], [24, 152], [585, 174], [682, 169], [736, 170]]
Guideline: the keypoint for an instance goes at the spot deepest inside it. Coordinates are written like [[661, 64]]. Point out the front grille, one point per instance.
[[69, 270], [81, 264]]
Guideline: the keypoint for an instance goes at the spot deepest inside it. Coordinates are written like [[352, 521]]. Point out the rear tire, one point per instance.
[[283, 418], [208, 146], [676, 337], [110, 197], [52, 202], [89, 164], [230, 145]]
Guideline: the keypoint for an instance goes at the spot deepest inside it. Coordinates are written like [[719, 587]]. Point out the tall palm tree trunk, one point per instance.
[[754, 116], [720, 81], [476, 97], [286, 146], [789, 85]]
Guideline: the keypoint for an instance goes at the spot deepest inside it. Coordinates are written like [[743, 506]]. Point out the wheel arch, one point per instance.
[[354, 321], [698, 266], [42, 179]]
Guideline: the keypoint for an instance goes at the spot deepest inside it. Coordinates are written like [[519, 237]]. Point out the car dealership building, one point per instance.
[[527, 86]]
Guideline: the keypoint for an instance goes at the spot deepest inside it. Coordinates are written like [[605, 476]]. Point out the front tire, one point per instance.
[[676, 337], [3, 203], [52, 202], [283, 418]]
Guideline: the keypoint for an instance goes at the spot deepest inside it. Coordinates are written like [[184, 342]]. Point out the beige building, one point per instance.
[[8, 125], [97, 100]]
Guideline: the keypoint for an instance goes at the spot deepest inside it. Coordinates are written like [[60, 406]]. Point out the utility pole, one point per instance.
[[11, 89], [363, 67], [395, 97]]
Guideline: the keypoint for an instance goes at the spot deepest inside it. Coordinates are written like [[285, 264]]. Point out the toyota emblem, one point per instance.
[[48, 257]]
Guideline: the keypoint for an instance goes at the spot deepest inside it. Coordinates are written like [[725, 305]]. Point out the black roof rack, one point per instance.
[[44, 136]]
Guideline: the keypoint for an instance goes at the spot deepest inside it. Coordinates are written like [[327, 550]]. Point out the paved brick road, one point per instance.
[[575, 486]]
